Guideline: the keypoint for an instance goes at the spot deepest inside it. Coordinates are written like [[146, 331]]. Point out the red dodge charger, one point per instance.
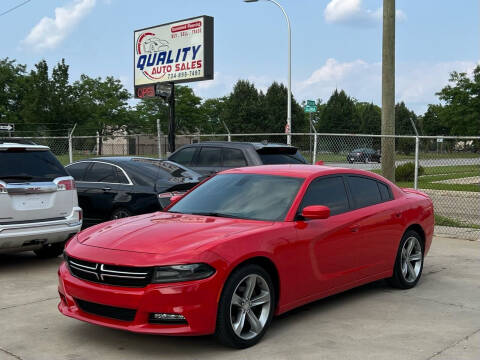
[[243, 246]]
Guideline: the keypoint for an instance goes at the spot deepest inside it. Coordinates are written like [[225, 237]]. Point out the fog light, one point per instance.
[[160, 318]]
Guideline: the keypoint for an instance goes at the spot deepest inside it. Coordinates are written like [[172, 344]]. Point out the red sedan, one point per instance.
[[244, 246]]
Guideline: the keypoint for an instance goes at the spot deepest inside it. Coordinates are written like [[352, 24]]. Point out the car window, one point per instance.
[[233, 158], [78, 170], [209, 156], [272, 158], [121, 178], [364, 191], [384, 191], [29, 165], [329, 192], [100, 172], [184, 156]]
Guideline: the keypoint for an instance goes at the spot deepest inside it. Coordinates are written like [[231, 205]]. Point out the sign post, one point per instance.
[[176, 52]]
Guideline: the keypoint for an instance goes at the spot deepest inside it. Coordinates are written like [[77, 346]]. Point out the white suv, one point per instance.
[[38, 201]]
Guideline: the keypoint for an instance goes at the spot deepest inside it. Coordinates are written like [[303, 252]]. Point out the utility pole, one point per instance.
[[171, 124], [388, 90]]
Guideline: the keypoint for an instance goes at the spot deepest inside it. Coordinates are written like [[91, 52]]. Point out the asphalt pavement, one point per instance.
[[437, 320]]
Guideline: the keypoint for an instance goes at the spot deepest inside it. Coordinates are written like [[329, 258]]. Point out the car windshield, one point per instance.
[[244, 196]]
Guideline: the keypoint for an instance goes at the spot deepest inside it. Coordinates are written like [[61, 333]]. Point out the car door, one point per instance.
[[208, 161], [330, 245], [378, 224], [101, 186]]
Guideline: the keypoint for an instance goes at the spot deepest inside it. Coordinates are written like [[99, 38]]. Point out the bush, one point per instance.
[[406, 172]]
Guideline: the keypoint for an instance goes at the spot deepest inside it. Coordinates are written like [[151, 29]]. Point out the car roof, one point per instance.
[[300, 170], [18, 145], [256, 145]]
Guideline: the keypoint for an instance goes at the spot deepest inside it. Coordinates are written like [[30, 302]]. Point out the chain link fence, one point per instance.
[[446, 168]]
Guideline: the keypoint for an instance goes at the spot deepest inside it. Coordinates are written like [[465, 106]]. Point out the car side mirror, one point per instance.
[[316, 212], [175, 198], [319, 162]]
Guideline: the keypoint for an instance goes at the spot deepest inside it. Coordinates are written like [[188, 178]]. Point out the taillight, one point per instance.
[[66, 185], [80, 215], [3, 189]]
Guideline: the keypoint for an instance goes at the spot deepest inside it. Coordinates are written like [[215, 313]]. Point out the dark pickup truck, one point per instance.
[[211, 157]]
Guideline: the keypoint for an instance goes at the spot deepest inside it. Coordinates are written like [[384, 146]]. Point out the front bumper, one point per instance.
[[195, 300], [37, 234]]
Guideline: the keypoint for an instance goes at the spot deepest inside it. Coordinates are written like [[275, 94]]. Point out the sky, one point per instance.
[[335, 43]]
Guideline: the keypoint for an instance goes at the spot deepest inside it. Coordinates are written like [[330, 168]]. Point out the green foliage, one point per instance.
[[406, 172]]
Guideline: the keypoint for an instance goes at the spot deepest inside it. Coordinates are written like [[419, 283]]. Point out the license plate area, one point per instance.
[[31, 202]]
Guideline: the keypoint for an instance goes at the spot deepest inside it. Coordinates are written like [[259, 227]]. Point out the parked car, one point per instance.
[[364, 155], [228, 256], [38, 201], [117, 187], [211, 157]]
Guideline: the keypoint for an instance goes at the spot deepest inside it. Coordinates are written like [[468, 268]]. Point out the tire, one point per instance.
[[235, 304], [405, 276], [120, 213], [50, 251]]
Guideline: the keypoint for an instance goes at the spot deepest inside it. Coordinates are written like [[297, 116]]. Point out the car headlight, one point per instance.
[[179, 273]]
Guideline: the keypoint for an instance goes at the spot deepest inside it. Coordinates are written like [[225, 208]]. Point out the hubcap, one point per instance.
[[250, 306], [411, 259]]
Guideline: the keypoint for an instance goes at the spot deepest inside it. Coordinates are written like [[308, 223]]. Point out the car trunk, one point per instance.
[[34, 186]]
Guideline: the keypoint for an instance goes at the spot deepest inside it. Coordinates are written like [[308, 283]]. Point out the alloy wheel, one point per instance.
[[250, 306], [411, 260]]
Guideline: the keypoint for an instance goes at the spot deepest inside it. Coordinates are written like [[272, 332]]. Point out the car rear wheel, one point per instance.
[[246, 307], [121, 213], [409, 262], [50, 250]]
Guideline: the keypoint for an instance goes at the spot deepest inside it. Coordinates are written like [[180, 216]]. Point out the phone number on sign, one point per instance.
[[183, 74]]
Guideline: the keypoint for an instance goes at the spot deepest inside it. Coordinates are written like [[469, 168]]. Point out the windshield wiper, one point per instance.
[[216, 214]]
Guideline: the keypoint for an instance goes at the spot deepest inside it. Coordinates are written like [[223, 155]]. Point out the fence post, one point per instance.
[[70, 143], [314, 157], [229, 137], [415, 179]]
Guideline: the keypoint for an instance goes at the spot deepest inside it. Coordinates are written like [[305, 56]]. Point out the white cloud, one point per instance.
[[416, 83], [49, 33], [352, 12]]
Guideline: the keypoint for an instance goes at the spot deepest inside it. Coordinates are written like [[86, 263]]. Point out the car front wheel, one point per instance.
[[409, 262], [246, 307]]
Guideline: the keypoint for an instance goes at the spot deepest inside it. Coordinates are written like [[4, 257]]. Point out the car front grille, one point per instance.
[[112, 312], [127, 276]]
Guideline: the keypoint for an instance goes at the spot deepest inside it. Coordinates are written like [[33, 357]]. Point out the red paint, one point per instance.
[[327, 255]]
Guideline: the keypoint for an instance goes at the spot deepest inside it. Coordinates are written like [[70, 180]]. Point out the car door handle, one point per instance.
[[106, 189], [354, 228]]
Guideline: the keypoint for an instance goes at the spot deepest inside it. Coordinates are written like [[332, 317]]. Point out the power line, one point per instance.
[[15, 7]]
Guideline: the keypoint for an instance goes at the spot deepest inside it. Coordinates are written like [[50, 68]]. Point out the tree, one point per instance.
[[12, 90], [369, 118], [339, 115], [101, 105], [213, 110], [461, 112], [403, 126], [243, 109]]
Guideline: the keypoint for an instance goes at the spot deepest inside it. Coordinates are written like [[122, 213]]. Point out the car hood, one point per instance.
[[162, 233]]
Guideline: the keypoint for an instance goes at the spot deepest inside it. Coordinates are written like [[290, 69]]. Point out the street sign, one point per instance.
[[310, 108], [311, 103], [7, 127], [439, 140]]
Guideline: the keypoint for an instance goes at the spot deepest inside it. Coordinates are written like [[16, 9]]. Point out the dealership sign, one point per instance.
[[176, 52]]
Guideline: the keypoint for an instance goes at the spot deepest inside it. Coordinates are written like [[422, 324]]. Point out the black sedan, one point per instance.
[[117, 187], [364, 155]]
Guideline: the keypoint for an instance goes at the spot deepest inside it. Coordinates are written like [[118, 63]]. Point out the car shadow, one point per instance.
[[25, 259], [128, 344]]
